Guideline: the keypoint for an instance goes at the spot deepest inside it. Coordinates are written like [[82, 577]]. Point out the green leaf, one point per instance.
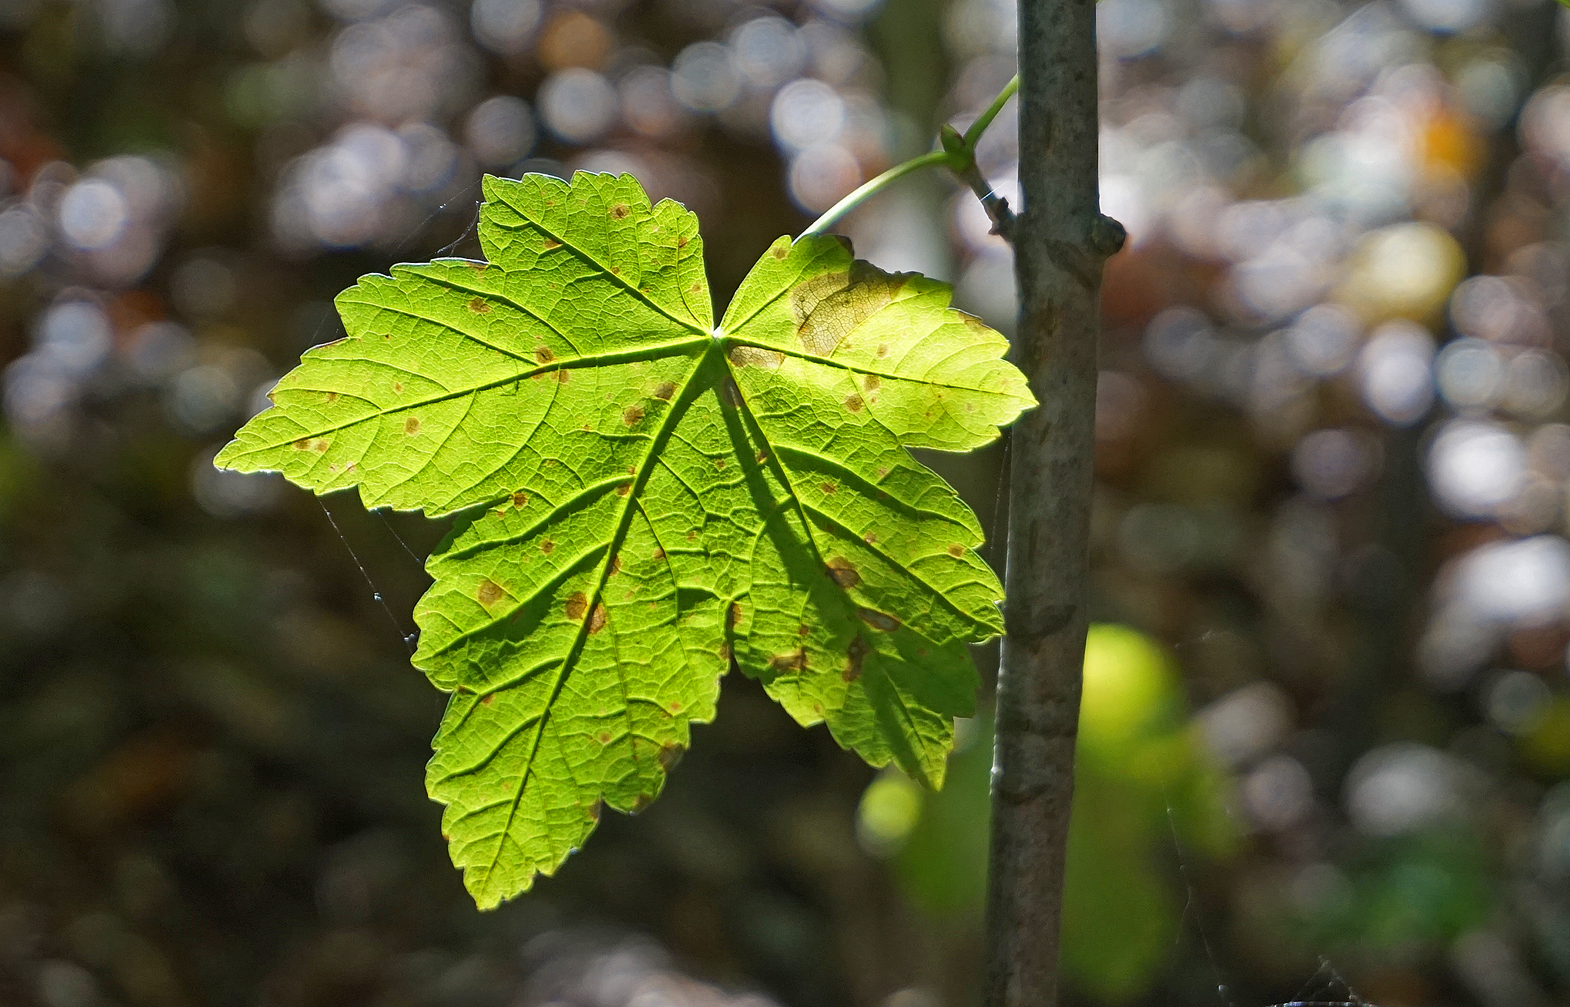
[[642, 496]]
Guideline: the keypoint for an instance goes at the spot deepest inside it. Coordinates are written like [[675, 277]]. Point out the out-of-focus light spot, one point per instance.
[[203, 288], [1534, 509], [768, 51], [1401, 788], [573, 38], [431, 160], [1330, 464], [273, 27], [1396, 372], [835, 53], [578, 105], [1470, 374], [93, 214], [821, 174], [1535, 384], [1455, 644], [1447, 16], [202, 399], [1323, 339], [1545, 123], [1129, 28], [1490, 87], [407, 66], [1123, 199], [1548, 451], [1516, 700], [1491, 308], [135, 27], [226, 494], [1210, 103], [1120, 402], [1405, 270], [1527, 580], [336, 193], [37, 393], [75, 335], [1278, 793], [647, 103], [805, 112], [1180, 343], [889, 810], [1475, 466], [1191, 220], [500, 131], [158, 350], [505, 27], [988, 289], [846, 10], [24, 238], [1246, 723], [704, 78]]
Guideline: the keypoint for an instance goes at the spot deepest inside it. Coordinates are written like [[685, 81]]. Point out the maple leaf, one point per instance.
[[643, 497]]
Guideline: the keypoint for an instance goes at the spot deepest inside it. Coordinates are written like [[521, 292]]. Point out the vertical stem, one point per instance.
[[1061, 242]]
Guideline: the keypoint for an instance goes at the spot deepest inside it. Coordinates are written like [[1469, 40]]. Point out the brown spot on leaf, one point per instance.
[[794, 661], [615, 565], [411, 425], [397, 387], [547, 546], [829, 488], [597, 618], [803, 629], [544, 354], [659, 553], [781, 252], [843, 573], [872, 382], [576, 606], [551, 243], [605, 737], [302, 444], [320, 445], [520, 499], [489, 592], [696, 288], [681, 242], [620, 211], [719, 463], [643, 801], [829, 307], [675, 706], [479, 307], [664, 390], [956, 550], [332, 396], [615, 270], [870, 537], [883, 349], [853, 403], [563, 374], [857, 650], [754, 356], [594, 810], [623, 489], [763, 456], [733, 615], [877, 620], [488, 699], [479, 267], [670, 754], [631, 415]]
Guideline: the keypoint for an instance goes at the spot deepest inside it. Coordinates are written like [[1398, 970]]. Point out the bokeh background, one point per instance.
[[1326, 742]]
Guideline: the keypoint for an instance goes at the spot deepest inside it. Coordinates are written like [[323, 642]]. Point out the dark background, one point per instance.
[[1325, 756]]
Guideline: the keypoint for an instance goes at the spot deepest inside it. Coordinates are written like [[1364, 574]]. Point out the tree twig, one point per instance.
[[1061, 241]]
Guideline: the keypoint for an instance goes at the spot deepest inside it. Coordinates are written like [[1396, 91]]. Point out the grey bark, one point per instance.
[[1061, 242]]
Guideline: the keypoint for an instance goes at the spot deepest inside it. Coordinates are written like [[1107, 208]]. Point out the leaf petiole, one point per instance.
[[958, 154]]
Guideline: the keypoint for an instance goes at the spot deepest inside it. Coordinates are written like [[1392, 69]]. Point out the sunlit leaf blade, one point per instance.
[[643, 496]]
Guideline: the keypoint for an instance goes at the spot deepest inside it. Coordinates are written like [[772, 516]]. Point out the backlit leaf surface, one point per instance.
[[642, 496]]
